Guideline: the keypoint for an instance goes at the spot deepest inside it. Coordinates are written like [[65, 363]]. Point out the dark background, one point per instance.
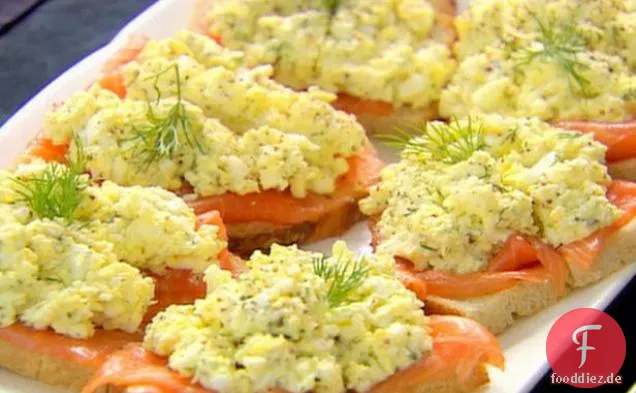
[[55, 35], [43, 41]]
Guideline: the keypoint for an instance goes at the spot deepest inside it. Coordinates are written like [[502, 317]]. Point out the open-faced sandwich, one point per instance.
[[562, 61], [494, 218], [279, 165], [386, 60], [84, 265], [299, 322]]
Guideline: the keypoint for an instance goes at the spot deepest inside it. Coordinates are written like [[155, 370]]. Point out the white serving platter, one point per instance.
[[524, 344]]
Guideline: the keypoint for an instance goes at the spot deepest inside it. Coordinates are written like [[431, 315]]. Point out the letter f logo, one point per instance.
[[584, 347]]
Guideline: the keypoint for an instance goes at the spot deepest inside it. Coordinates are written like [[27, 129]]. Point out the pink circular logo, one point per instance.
[[586, 348]]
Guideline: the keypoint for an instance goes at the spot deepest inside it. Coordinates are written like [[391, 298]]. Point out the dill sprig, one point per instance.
[[629, 95], [164, 134], [449, 143], [342, 278], [332, 5], [561, 46], [58, 190]]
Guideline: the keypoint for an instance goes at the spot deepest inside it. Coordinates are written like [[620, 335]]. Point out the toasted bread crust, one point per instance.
[[500, 310], [624, 169], [245, 238], [45, 368]]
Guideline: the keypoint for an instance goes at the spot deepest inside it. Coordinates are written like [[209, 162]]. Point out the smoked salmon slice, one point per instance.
[[465, 286], [584, 252], [361, 106], [45, 149], [89, 352], [129, 52], [112, 78], [114, 82], [515, 262], [516, 254], [461, 348], [175, 287], [180, 286], [554, 263], [407, 277], [133, 367], [620, 138], [212, 217]]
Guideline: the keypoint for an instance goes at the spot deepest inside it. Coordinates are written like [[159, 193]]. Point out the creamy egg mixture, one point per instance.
[[527, 178], [245, 133], [74, 276], [554, 59], [274, 327], [391, 51]]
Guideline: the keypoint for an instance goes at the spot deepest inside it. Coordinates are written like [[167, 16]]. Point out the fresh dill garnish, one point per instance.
[[567, 135], [332, 5], [511, 136], [561, 46], [449, 143], [342, 278], [58, 190], [164, 134], [77, 162], [630, 95], [429, 248], [616, 34], [54, 279]]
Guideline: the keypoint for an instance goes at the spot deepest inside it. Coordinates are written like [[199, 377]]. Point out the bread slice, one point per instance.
[[45, 368], [247, 237], [624, 169], [500, 310]]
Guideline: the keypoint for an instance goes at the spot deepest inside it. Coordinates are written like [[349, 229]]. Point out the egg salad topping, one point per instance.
[[75, 272], [393, 51], [191, 115], [527, 177], [53, 276], [149, 228], [276, 325], [553, 59]]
